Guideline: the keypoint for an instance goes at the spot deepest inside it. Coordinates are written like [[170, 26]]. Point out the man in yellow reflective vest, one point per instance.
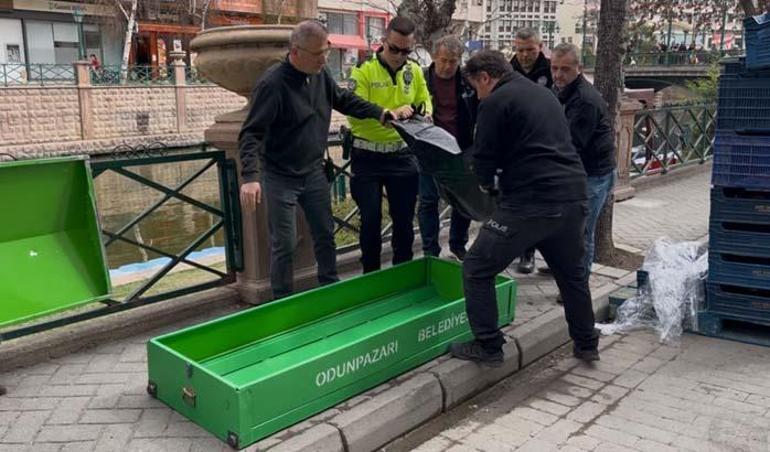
[[379, 158]]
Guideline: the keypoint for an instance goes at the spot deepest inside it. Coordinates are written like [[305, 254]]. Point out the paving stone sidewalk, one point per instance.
[[95, 399], [703, 395]]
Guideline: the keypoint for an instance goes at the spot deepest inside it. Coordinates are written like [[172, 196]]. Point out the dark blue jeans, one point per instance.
[[599, 189], [283, 194], [428, 219]]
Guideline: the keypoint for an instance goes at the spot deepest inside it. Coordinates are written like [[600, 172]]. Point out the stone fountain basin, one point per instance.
[[235, 57]]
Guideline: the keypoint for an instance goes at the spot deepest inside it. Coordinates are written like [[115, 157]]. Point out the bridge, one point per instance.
[[661, 70]]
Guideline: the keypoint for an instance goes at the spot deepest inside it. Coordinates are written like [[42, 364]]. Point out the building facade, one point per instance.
[[502, 18], [355, 30], [49, 32]]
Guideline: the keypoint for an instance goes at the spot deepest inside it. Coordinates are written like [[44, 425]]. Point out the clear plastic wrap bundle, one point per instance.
[[673, 295]]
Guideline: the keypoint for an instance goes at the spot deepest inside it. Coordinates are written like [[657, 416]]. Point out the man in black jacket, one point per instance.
[[529, 59], [522, 134], [591, 133], [530, 62], [284, 136], [454, 110]]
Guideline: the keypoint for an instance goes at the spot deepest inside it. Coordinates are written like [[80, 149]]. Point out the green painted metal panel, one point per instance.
[[247, 375], [51, 254]]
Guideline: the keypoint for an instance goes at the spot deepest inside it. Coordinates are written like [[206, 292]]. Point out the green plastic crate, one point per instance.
[[51, 254], [250, 374]]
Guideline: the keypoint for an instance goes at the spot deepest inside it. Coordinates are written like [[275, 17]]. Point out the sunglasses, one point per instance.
[[396, 50]]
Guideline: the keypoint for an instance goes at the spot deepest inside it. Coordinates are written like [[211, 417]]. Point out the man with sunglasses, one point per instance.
[[284, 137], [380, 160]]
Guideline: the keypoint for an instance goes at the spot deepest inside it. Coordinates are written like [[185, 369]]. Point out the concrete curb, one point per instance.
[[392, 409], [57, 342]]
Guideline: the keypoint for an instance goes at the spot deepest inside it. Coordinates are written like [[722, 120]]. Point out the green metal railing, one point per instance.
[[672, 136], [347, 216], [12, 74], [132, 75], [194, 77], [135, 165], [673, 58]]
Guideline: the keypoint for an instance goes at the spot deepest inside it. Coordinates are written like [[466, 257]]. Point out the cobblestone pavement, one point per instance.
[[96, 400], [703, 395], [678, 209]]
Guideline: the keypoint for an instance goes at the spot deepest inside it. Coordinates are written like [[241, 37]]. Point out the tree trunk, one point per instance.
[[748, 7], [205, 13], [609, 81], [130, 24]]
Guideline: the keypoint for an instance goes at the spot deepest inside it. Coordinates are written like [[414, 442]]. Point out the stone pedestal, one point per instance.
[[253, 281], [235, 57], [624, 139]]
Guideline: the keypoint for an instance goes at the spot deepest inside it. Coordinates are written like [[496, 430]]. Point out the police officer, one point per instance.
[[523, 133], [284, 138], [454, 110], [591, 133], [530, 62], [379, 158]]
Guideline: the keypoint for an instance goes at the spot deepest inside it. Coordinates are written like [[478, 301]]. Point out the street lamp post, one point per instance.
[[78, 14]]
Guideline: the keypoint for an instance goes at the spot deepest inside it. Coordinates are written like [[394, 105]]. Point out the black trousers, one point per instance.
[[558, 231], [283, 194], [398, 177]]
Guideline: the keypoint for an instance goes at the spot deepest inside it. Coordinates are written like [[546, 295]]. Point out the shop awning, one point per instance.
[[168, 28], [347, 42]]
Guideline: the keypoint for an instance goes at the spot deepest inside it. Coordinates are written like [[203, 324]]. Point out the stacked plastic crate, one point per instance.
[[739, 240]]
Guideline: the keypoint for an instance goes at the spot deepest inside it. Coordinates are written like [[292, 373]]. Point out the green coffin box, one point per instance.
[[250, 374], [51, 254]]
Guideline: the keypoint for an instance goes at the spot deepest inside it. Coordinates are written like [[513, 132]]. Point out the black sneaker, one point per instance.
[[587, 355], [474, 351], [459, 252], [526, 265], [545, 270]]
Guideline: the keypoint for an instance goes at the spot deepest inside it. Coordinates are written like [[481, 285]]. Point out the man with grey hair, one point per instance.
[[284, 138], [530, 62], [591, 133], [454, 110]]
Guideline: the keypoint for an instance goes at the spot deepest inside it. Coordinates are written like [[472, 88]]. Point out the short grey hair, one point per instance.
[[306, 31], [449, 42], [567, 48], [527, 33]]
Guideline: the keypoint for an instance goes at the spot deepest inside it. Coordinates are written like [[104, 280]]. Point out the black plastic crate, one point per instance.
[[742, 302], [740, 205], [739, 270], [757, 32], [741, 161], [744, 101], [747, 239], [733, 65]]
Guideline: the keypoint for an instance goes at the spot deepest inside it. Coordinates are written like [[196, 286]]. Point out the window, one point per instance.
[[375, 28], [342, 24], [569, 39]]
